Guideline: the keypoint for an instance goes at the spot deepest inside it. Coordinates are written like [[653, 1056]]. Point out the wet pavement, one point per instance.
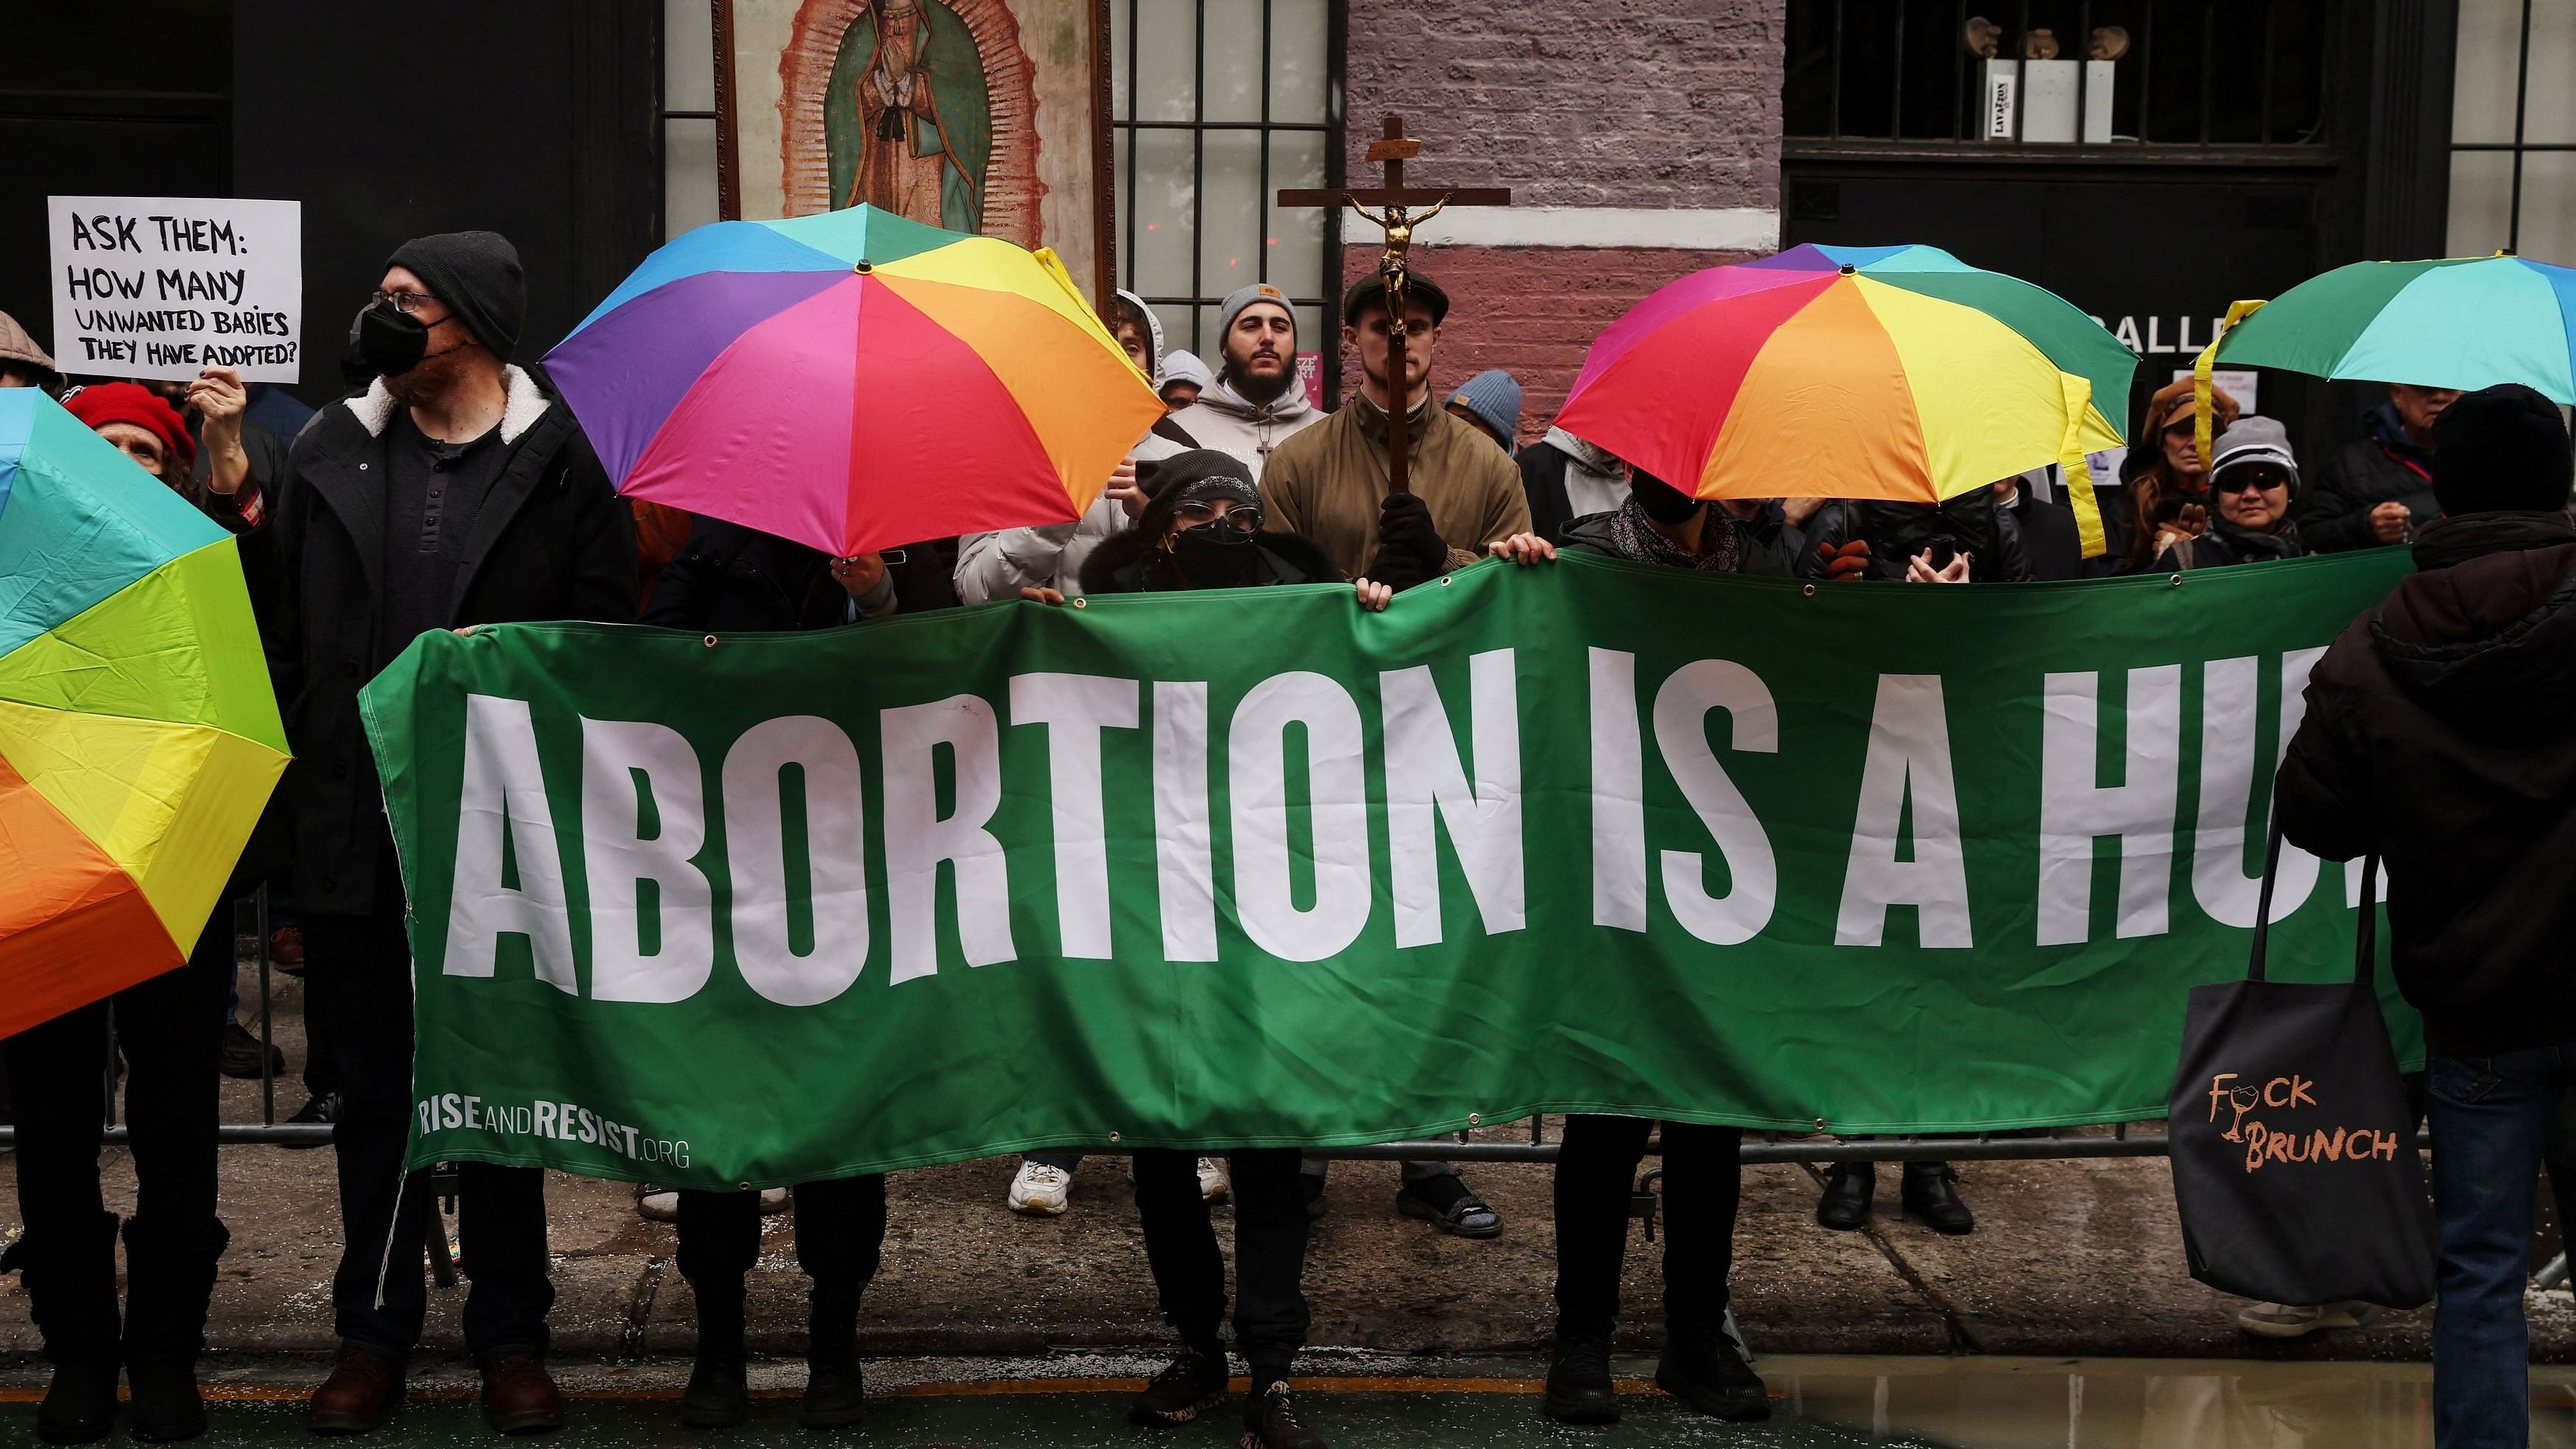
[[1818, 1401]]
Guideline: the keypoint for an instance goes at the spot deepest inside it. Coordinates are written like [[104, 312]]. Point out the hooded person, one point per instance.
[[997, 565], [1257, 402], [1181, 379], [2436, 738], [2253, 479], [455, 490], [1202, 529], [1565, 478]]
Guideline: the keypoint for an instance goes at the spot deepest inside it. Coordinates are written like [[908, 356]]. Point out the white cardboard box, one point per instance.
[[2003, 99], [2048, 101], [2098, 85]]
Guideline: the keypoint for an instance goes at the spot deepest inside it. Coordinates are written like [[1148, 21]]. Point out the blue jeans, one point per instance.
[[2490, 1117]]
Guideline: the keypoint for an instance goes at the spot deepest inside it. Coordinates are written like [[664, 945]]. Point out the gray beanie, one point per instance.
[[1243, 297]]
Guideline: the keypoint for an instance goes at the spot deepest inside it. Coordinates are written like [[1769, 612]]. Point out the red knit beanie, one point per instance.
[[132, 402]]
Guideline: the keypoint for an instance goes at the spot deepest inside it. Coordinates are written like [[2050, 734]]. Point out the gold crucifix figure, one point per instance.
[[1395, 202]]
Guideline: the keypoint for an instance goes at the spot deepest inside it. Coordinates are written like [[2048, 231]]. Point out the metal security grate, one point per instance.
[[1216, 105]]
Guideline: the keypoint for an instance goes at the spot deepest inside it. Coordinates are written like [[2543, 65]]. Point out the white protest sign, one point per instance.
[[165, 286]]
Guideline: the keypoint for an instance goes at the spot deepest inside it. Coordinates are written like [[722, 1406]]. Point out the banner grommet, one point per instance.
[[1080, 602], [2176, 581], [711, 641], [1809, 591]]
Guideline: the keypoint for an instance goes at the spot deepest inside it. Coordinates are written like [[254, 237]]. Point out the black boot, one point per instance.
[[719, 1391], [1579, 1390], [1848, 1188], [169, 1280], [1704, 1370], [835, 1397], [167, 1407], [1928, 1195], [80, 1403]]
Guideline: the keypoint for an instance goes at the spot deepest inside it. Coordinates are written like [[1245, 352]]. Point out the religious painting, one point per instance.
[[986, 116]]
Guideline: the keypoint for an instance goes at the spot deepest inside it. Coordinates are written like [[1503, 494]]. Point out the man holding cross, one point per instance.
[[1332, 481]]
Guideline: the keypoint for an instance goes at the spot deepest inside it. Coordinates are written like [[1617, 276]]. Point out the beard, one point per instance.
[[1258, 391], [428, 380]]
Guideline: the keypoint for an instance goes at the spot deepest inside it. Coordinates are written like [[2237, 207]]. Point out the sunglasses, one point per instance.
[[2248, 480], [1242, 518]]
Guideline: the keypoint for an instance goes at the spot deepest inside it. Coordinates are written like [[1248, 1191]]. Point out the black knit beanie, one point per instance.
[[2500, 449], [1155, 477], [477, 274]]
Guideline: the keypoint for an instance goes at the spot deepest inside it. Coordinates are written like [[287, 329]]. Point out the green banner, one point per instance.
[[1260, 868]]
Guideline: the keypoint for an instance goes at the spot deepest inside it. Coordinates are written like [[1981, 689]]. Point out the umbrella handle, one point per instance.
[[2200, 366]]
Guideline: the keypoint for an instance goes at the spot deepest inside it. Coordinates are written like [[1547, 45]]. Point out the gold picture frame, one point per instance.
[[989, 116]]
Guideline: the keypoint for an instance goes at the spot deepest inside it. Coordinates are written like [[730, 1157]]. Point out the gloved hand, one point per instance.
[[1851, 561], [1409, 549]]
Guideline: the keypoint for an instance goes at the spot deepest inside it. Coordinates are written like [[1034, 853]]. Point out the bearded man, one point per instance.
[[1256, 404]]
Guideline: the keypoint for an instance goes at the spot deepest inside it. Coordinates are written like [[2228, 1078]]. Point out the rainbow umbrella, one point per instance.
[[2465, 322], [138, 734], [1853, 372], [854, 380]]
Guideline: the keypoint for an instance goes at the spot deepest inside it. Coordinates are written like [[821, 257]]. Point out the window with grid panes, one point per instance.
[[2513, 131], [1216, 105]]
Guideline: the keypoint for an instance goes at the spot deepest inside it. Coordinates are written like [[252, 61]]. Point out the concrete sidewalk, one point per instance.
[[2068, 1258]]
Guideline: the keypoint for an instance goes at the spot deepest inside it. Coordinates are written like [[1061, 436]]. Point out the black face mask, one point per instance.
[[388, 342], [1214, 556], [1663, 502]]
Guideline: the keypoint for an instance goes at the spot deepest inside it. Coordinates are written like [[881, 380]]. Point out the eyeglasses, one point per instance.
[[404, 302]]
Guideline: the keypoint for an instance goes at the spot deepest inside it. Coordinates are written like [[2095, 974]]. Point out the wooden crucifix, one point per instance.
[[1395, 202]]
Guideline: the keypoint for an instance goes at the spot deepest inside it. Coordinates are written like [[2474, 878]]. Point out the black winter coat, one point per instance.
[[552, 541], [1127, 563], [729, 579], [2381, 468], [2050, 540], [2224, 543], [1591, 534], [2437, 735]]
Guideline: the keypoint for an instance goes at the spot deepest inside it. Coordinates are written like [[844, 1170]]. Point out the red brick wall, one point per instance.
[[1602, 103], [1530, 310]]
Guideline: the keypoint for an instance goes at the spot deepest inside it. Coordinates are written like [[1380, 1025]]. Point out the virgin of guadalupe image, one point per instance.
[[906, 121]]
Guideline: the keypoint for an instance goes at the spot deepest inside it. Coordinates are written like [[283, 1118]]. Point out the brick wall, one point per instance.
[[1530, 310], [1625, 103], [1610, 103]]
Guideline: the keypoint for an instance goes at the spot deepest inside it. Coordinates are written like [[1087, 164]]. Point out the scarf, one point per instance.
[[1633, 537]]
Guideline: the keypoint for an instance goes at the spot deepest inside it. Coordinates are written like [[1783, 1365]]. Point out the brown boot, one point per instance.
[[362, 1393], [519, 1396]]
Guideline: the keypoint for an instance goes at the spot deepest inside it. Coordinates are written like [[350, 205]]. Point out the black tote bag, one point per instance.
[[2293, 1153]]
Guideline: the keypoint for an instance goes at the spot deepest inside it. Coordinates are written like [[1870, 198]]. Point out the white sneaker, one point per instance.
[[1214, 1185], [2296, 1320], [773, 1201], [657, 1204], [1039, 1190]]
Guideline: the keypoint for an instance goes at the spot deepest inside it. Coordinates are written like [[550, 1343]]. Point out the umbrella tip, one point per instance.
[[864, 266], [1850, 270]]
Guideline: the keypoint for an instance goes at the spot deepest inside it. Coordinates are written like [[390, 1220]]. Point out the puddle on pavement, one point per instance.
[[1818, 1403]]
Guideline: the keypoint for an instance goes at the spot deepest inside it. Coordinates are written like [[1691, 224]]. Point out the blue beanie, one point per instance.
[[1494, 397]]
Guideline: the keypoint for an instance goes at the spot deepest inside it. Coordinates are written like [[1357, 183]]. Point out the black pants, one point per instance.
[[171, 1028], [1596, 1170], [358, 973], [1270, 1222], [840, 1233]]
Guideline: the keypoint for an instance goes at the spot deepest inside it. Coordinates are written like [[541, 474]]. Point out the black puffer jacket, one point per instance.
[[2381, 468], [1592, 534], [2437, 735]]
